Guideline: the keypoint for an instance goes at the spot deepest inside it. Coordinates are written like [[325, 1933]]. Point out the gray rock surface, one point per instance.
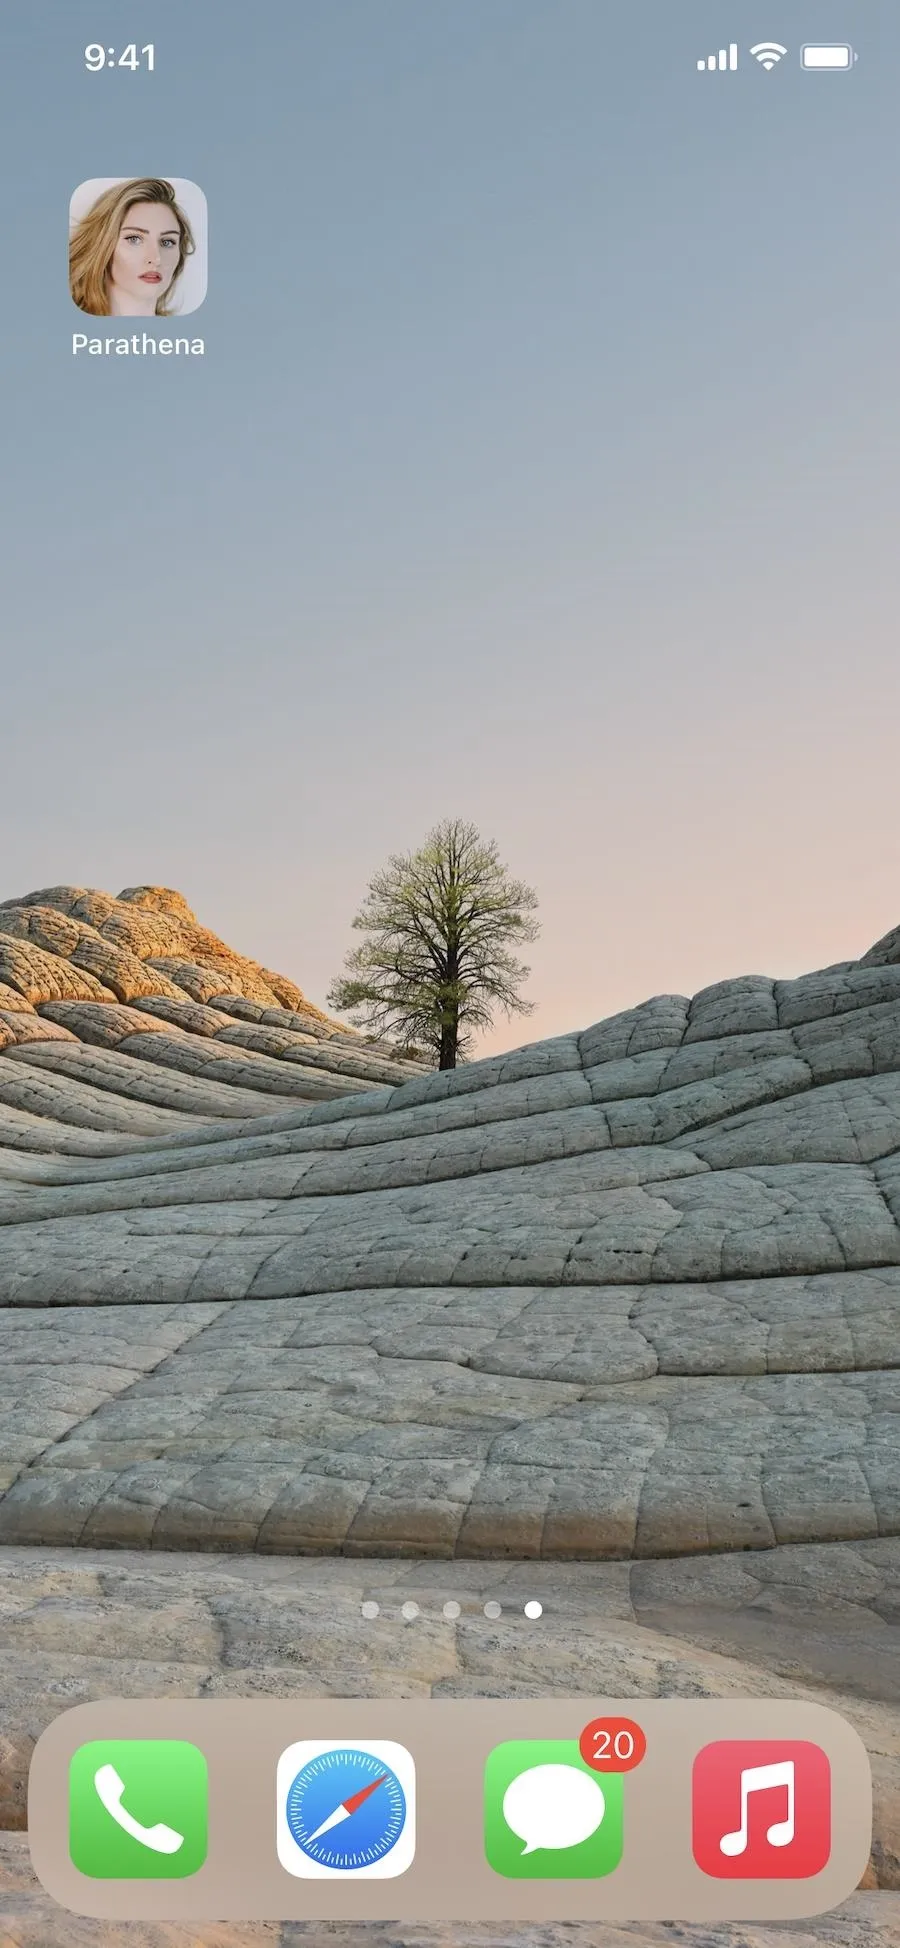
[[615, 1315], [633, 1292]]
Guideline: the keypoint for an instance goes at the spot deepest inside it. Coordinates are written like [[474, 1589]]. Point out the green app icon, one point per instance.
[[137, 1809], [547, 1815]]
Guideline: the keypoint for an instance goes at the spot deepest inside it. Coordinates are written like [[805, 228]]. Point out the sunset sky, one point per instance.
[[542, 468]]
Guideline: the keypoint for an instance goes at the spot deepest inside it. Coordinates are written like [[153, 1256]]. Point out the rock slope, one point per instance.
[[121, 1016], [629, 1292], [619, 1304]]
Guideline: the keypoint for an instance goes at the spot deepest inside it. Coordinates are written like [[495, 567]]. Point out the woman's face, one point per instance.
[[145, 258]]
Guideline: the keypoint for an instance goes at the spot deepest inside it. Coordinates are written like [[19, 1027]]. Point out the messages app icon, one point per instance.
[[547, 1815], [137, 1809]]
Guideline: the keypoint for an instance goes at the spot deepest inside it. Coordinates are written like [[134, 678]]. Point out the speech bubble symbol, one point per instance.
[[553, 1806]]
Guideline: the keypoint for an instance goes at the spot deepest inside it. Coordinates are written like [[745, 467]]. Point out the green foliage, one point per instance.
[[437, 960]]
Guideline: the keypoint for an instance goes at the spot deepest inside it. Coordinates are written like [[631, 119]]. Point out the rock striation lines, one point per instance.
[[614, 1318], [629, 1293]]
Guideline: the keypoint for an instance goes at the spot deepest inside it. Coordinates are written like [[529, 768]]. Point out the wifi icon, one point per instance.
[[768, 53]]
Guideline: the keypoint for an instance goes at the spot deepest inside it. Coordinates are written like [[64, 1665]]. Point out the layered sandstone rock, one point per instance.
[[623, 1304], [140, 978], [630, 1292]]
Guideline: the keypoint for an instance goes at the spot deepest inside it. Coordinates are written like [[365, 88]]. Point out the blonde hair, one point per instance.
[[93, 242]]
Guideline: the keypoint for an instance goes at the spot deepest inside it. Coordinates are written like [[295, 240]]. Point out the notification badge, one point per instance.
[[761, 1809]]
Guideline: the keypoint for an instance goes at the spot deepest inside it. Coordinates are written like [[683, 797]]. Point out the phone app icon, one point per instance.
[[548, 1815], [138, 1809], [346, 1812], [761, 1809]]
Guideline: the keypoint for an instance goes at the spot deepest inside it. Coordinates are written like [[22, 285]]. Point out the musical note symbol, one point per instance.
[[758, 1778]]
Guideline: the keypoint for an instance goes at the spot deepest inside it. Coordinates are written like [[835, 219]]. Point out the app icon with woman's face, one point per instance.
[[137, 247]]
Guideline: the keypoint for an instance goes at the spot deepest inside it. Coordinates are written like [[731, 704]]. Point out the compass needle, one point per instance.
[[346, 1807]]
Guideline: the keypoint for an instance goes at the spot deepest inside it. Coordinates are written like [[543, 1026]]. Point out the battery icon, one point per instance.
[[829, 57]]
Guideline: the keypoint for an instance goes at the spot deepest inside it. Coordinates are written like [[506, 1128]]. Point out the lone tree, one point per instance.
[[437, 961]]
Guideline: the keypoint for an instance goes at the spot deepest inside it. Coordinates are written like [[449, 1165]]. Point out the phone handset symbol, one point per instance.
[[160, 1838]]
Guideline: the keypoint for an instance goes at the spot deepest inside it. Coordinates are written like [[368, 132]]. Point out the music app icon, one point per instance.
[[761, 1809]]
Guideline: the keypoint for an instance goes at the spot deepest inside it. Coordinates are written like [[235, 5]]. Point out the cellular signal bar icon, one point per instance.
[[720, 63]]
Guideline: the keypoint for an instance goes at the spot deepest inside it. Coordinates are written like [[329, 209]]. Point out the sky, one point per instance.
[[541, 469]]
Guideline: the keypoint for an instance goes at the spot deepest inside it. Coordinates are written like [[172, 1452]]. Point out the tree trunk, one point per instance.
[[450, 1009], [449, 1044]]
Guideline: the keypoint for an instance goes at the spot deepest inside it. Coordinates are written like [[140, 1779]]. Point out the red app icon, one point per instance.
[[761, 1809]]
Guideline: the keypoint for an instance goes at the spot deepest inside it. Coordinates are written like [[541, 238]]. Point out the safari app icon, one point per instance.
[[346, 1811], [761, 1809], [547, 1815]]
